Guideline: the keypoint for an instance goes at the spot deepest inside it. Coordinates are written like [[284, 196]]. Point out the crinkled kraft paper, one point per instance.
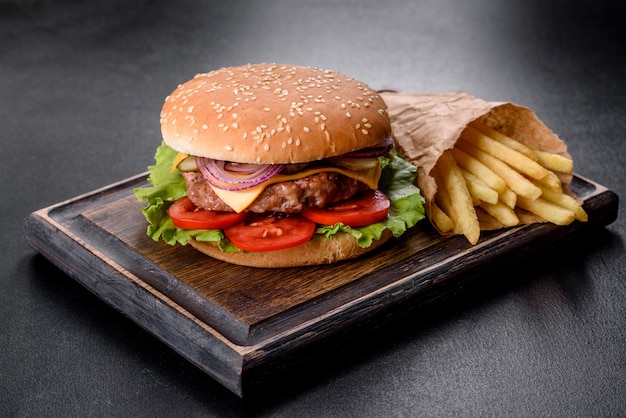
[[425, 125]]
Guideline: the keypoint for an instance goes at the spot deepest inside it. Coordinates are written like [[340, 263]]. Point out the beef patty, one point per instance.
[[317, 190]]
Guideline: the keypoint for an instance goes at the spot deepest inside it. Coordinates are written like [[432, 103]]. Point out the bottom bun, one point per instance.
[[319, 250]]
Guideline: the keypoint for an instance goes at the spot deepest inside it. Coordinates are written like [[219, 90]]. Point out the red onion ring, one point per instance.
[[217, 175]]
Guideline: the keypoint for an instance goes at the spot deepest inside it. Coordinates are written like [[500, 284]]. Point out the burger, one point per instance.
[[269, 165]]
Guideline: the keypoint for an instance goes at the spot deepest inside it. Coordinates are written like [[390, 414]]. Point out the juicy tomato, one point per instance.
[[186, 215], [361, 210], [268, 232]]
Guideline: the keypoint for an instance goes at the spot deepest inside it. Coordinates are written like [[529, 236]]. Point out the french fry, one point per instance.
[[479, 190], [565, 201], [506, 140], [440, 219], [516, 182], [554, 162], [552, 181], [551, 161], [442, 201], [462, 213], [472, 165], [547, 210], [503, 213], [512, 157], [487, 222], [508, 197]]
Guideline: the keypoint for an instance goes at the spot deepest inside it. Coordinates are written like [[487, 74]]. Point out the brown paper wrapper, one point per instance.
[[425, 125]]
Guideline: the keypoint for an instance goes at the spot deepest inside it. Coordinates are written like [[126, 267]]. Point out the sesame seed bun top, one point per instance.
[[273, 114]]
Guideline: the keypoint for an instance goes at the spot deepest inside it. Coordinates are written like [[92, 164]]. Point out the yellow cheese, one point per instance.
[[239, 200]]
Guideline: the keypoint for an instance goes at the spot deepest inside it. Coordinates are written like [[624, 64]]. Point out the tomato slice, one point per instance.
[[268, 232], [364, 209], [186, 215]]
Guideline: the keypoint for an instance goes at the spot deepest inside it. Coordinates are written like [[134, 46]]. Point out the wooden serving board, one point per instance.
[[236, 323]]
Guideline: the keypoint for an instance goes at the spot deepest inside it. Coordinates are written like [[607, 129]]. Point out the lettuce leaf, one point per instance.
[[167, 185]]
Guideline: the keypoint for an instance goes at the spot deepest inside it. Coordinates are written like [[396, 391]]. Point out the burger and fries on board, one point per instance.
[[270, 165]]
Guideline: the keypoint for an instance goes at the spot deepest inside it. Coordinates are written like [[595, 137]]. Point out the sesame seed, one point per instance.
[[348, 114], [205, 126], [234, 125], [228, 148], [306, 129], [267, 109], [266, 147], [365, 132], [234, 116], [245, 135]]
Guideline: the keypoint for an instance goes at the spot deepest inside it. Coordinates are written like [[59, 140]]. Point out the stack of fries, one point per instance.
[[491, 178]]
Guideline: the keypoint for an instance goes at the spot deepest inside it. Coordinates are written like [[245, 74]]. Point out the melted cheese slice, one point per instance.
[[239, 200]]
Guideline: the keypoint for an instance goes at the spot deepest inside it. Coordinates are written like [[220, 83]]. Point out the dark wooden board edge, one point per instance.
[[137, 300], [229, 363]]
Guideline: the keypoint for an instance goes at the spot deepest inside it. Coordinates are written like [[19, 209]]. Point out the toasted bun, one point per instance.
[[273, 114], [318, 250]]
